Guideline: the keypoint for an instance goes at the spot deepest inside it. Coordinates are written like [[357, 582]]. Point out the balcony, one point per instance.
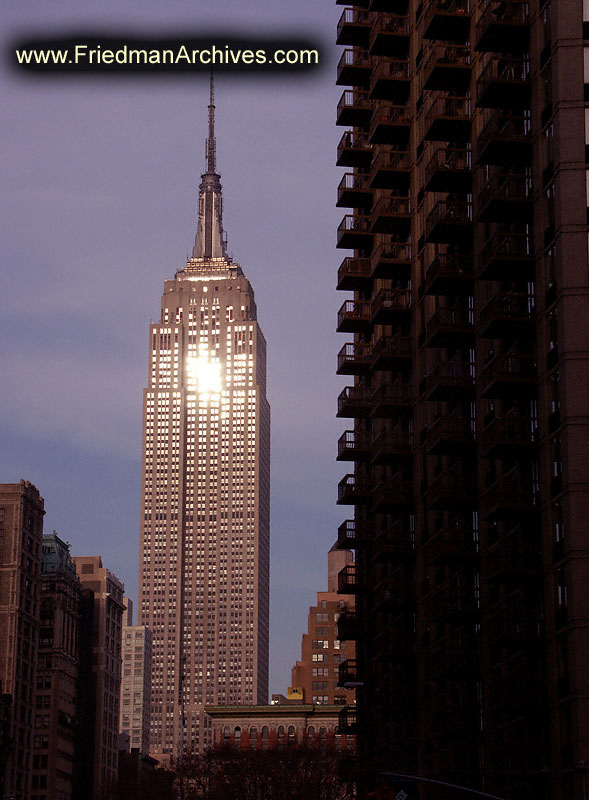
[[506, 256], [354, 109], [354, 69], [391, 259], [354, 317], [390, 80], [392, 494], [505, 139], [387, 599], [506, 198], [510, 498], [508, 376], [391, 169], [450, 435], [510, 436], [354, 446], [392, 447], [389, 34], [390, 124], [352, 535], [390, 307], [391, 352], [389, 6], [347, 580], [353, 232], [450, 601], [515, 628], [448, 69], [504, 83], [448, 119], [353, 402], [348, 672], [449, 170], [391, 214], [349, 625], [451, 326], [354, 150], [353, 490], [508, 315], [514, 560], [447, 20], [354, 192], [503, 27], [353, 28], [348, 720], [449, 222], [451, 380], [392, 400], [394, 544], [452, 545], [452, 490], [354, 274], [354, 359], [449, 274]]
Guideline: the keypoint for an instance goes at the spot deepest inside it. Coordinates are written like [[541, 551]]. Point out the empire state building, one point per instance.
[[204, 550]]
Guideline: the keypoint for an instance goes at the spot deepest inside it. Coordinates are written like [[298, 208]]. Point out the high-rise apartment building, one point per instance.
[[99, 678], [57, 733], [205, 489], [324, 646], [466, 146], [136, 682], [21, 531]]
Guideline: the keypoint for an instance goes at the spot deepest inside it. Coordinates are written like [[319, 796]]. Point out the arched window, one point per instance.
[[253, 738], [311, 736], [226, 736], [338, 738], [322, 738], [237, 737], [280, 737], [265, 736], [291, 736]]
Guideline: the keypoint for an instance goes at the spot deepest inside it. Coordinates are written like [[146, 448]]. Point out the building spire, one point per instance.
[[209, 242]]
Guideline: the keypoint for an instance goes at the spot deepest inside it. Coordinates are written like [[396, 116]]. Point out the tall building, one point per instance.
[[205, 498], [99, 678], [21, 531], [57, 731], [136, 682], [324, 646], [466, 147]]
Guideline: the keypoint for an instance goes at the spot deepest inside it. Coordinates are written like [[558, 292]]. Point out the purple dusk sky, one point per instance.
[[100, 180]]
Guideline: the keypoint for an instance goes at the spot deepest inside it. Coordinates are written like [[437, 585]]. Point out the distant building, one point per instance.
[[21, 531], [278, 726], [315, 678], [100, 676], [136, 683], [55, 721]]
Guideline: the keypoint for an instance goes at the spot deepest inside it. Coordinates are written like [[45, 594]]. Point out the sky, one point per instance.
[[99, 178]]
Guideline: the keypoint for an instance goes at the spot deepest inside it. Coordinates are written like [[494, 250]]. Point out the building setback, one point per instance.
[[21, 531], [204, 548], [57, 731], [465, 144], [324, 647], [100, 677]]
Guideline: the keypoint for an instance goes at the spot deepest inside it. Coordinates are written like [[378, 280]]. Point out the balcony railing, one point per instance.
[[510, 375], [504, 83], [449, 221], [455, 489], [390, 306], [389, 34], [508, 315], [448, 68], [503, 26], [450, 326], [390, 447], [390, 124], [354, 274], [510, 497], [448, 170], [354, 316], [391, 352], [392, 494], [451, 434], [391, 214], [394, 544], [391, 259], [505, 255], [447, 20], [353, 402], [354, 108], [354, 446], [352, 534], [448, 119], [354, 68], [453, 544], [354, 191], [354, 232], [390, 80], [353, 27], [505, 139], [506, 198], [450, 274], [354, 359], [451, 379], [354, 150], [353, 489], [347, 580], [391, 169], [392, 400], [509, 435]]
